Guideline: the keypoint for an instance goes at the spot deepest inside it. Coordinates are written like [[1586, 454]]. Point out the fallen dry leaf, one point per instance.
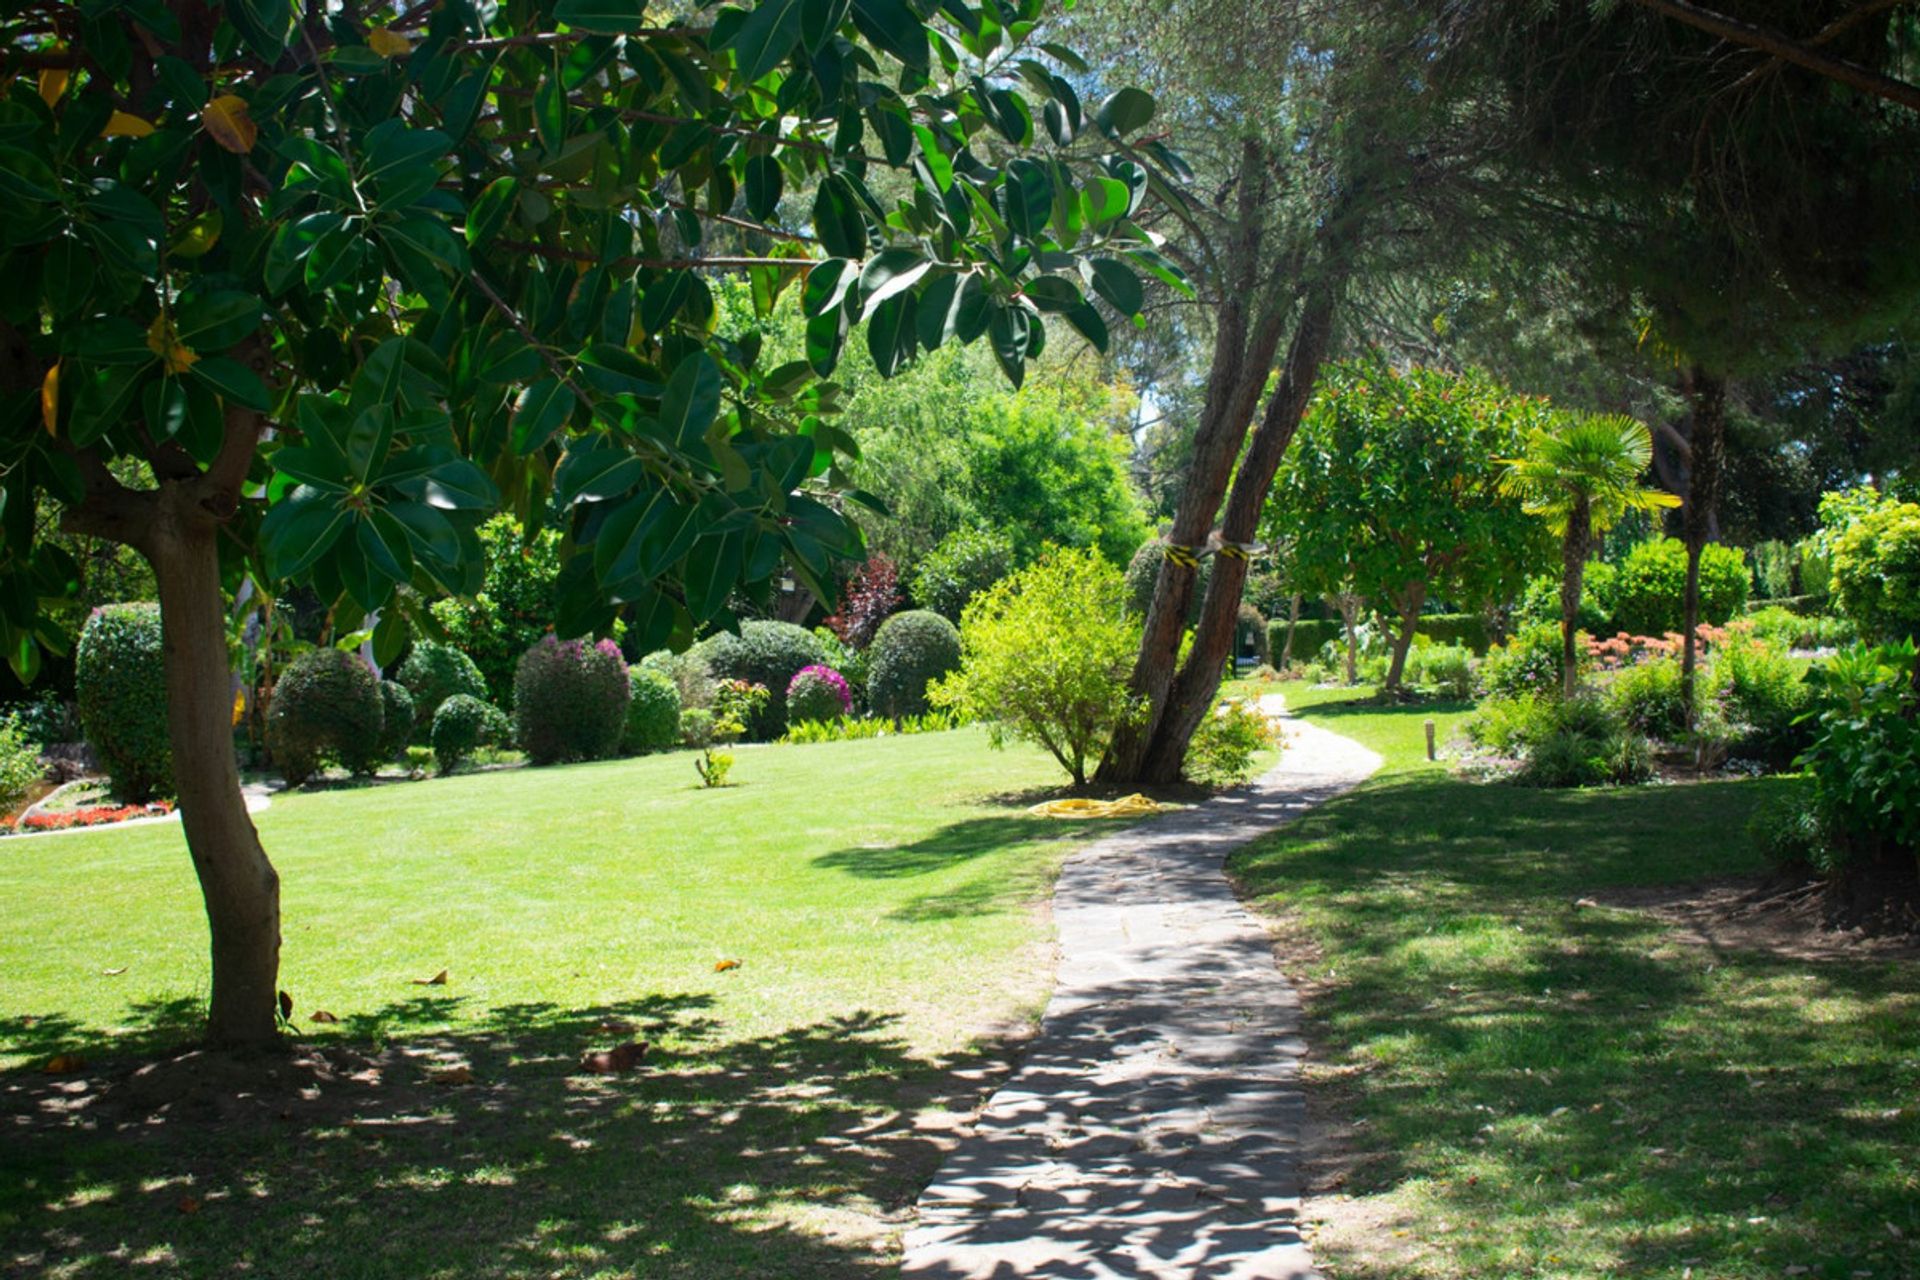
[[113, 973], [321, 1015], [613, 1027], [452, 1075], [64, 1064], [610, 1062], [725, 965], [437, 980], [286, 1006], [187, 1204], [388, 44]]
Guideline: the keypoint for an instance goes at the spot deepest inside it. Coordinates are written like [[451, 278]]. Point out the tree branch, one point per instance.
[[1848, 73]]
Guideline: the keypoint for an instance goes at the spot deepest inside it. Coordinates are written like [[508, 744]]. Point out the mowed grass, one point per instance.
[[1543, 1089], [879, 897]]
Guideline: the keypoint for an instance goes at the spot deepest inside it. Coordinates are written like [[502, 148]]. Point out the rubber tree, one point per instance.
[[302, 294]]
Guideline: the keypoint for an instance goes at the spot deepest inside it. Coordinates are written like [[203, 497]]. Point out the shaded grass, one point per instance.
[[1545, 1089], [880, 904]]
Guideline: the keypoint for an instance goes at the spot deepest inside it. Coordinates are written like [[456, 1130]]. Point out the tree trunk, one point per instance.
[[1192, 692], [1293, 620], [1411, 602], [1708, 447], [241, 888], [1573, 572]]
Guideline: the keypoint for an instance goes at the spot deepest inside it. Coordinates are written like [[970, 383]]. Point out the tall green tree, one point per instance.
[[1580, 473], [1393, 490], [348, 280]]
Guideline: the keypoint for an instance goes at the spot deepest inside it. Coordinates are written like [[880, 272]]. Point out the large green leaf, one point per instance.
[[299, 529], [1117, 283], [615, 17], [771, 29], [539, 413], [691, 400], [402, 164], [837, 221], [763, 186], [1125, 111], [894, 27], [889, 272]]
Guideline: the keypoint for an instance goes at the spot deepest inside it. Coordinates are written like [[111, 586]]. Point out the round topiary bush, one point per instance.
[[768, 653], [463, 725], [818, 693], [396, 706], [326, 706], [653, 713], [570, 700], [1143, 574], [120, 683], [911, 650], [434, 672], [1649, 593]]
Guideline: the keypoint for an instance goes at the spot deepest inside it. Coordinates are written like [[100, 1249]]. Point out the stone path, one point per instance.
[[1153, 1129]]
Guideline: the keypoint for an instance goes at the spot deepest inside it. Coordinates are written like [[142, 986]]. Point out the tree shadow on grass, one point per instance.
[[1525, 1058], [789, 1154]]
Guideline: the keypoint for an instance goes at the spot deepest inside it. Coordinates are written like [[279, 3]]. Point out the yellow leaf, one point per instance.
[[239, 706], [197, 236], [175, 355], [227, 123], [50, 397], [122, 125], [388, 44], [53, 83]]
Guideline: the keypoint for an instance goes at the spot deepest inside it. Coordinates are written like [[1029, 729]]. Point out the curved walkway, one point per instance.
[[1153, 1128]]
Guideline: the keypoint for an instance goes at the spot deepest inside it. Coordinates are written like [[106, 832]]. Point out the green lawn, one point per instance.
[[1544, 1090], [878, 895]]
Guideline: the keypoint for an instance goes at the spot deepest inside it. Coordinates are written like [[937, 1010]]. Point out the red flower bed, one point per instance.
[[95, 816]]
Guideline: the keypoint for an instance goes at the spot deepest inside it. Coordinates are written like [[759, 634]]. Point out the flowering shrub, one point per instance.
[[1529, 662], [1627, 649], [818, 693], [764, 653], [570, 700], [873, 594], [93, 816]]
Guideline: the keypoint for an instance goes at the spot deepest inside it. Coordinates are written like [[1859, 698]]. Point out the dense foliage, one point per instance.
[[326, 707], [910, 651], [20, 764], [1649, 594], [570, 700], [1865, 757], [1226, 747], [461, 726], [120, 684], [870, 597], [1044, 656], [768, 654], [434, 672], [1530, 661], [396, 720], [966, 562], [1876, 572], [515, 606], [653, 711]]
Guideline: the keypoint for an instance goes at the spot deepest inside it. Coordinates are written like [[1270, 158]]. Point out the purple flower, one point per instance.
[[821, 676]]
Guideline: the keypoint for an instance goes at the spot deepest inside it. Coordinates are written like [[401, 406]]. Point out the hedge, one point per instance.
[[1311, 634]]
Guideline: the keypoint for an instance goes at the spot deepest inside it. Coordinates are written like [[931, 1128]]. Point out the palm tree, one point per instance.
[[1582, 473]]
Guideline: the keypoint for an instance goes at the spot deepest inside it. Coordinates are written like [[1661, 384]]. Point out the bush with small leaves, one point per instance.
[[433, 673], [1528, 662], [20, 764], [1562, 742], [966, 562], [653, 713], [462, 726], [326, 707], [570, 700], [696, 726], [1649, 595], [396, 706], [818, 693], [764, 653], [912, 650], [1876, 572], [1649, 696], [1766, 696], [689, 672], [1223, 749], [120, 684], [1540, 603]]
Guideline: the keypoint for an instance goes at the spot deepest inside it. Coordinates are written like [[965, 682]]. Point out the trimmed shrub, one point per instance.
[[1541, 600], [765, 653], [1649, 597], [396, 722], [851, 663], [434, 672], [696, 726], [653, 712], [463, 725], [688, 671], [966, 562], [911, 650], [1468, 629], [19, 762], [120, 681], [570, 700], [1876, 572], [1310, 636], [818, 693], [1143, 574], [1047, 652], [326, 707]]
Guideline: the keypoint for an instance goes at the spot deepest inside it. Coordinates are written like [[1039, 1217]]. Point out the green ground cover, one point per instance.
[[1539, 1088], [879, 896]]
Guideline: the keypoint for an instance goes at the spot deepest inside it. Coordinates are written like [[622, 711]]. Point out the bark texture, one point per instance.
[[1707, 447]]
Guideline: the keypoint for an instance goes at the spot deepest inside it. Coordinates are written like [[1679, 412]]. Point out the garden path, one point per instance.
[[1153, 1129]]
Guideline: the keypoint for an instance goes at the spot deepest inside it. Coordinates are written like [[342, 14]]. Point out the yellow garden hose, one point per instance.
[[1133, 806]]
